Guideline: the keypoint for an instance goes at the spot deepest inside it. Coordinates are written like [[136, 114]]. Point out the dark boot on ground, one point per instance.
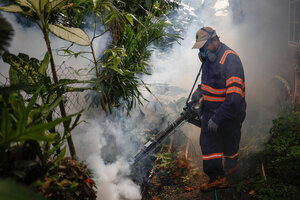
[[218, 183]]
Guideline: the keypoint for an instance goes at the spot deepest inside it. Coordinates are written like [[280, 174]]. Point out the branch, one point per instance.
[[101, 34]]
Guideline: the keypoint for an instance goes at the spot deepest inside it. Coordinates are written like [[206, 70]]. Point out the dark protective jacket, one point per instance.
[[223, 87]]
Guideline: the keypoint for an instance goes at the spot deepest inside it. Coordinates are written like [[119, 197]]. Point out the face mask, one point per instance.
[[205, 54], [202, 55], [212, 57]]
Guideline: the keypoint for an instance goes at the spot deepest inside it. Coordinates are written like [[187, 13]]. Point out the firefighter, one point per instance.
[[224, 107]]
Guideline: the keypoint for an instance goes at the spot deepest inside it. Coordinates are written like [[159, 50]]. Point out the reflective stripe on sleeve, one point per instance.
[[213, 90], [235, 90], [234, 79], [214, 99]]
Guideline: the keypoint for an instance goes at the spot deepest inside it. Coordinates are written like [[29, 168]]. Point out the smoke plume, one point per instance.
[[256, 30]]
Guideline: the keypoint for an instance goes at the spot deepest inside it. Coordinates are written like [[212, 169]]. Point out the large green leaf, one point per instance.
[[24, 3], [14, 78], [55, 148], [45, 63], [39, 137], [35, 5], [43, 4], [45, 126], [11, 8], [60, 156], [55, 4], [47, 109], [75, 35]]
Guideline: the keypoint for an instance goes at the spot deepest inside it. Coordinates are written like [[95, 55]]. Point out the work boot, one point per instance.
[[218, 183]]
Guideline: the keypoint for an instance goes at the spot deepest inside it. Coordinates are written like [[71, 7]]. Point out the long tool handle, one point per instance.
[[152, 144], [194, 84]]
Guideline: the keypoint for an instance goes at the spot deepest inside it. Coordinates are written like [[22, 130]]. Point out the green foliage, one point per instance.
[[270, 188], [124, 65], [165, 162], [25, 70], [282, 152], [140, 7], [172, 168], [70, 179], [281, 159], [42, 10], [31, 73], [26, 136], [134, 27]]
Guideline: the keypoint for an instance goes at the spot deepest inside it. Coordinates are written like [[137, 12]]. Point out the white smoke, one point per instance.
[[112, 179], [256, 39], [256, 30]]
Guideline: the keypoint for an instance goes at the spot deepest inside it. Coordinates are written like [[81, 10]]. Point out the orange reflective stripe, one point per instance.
[[234, 79], [217, 155], [225, 55], [212, 156], [233, 156], [214, 99], [213, 90], [235, 90]]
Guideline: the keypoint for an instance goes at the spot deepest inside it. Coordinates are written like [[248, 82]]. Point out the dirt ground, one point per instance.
[[191, 191]]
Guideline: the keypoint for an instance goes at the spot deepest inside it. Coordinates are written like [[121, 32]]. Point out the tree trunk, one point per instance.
[[295, 89], [59, 94]]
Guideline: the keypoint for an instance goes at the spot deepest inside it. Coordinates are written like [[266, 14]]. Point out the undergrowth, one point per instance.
[[276, 174]]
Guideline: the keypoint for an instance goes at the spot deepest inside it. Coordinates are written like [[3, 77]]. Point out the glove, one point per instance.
[[212, 126], [188, 106]]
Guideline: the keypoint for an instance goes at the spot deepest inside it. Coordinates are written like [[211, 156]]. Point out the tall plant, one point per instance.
[[40, 11], [26, 136], [134, 28]]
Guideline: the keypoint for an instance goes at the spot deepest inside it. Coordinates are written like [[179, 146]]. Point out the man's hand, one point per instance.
[[212, 126], [190, 104]]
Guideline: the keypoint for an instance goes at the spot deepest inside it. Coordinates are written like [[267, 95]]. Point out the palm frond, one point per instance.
[[6, 33]]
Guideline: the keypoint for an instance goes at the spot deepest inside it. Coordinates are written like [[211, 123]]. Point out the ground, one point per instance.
[[175, 177]]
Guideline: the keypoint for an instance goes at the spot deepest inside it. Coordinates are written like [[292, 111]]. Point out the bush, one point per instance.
[[282, 154], [272, 188], [70, 179], [26, 137], [281, 159]]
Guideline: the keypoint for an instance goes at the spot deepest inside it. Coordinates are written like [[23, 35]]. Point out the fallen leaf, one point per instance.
[[155, 198], [66, 182], [62, 167], [77, 193], [251, 192], [188, 188], [177, 173], [46, 183]]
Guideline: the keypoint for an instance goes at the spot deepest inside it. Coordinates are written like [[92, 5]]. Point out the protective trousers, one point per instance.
[[220, 147]]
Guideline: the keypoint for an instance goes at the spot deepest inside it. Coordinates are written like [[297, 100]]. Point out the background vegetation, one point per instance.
[[32, 146]]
